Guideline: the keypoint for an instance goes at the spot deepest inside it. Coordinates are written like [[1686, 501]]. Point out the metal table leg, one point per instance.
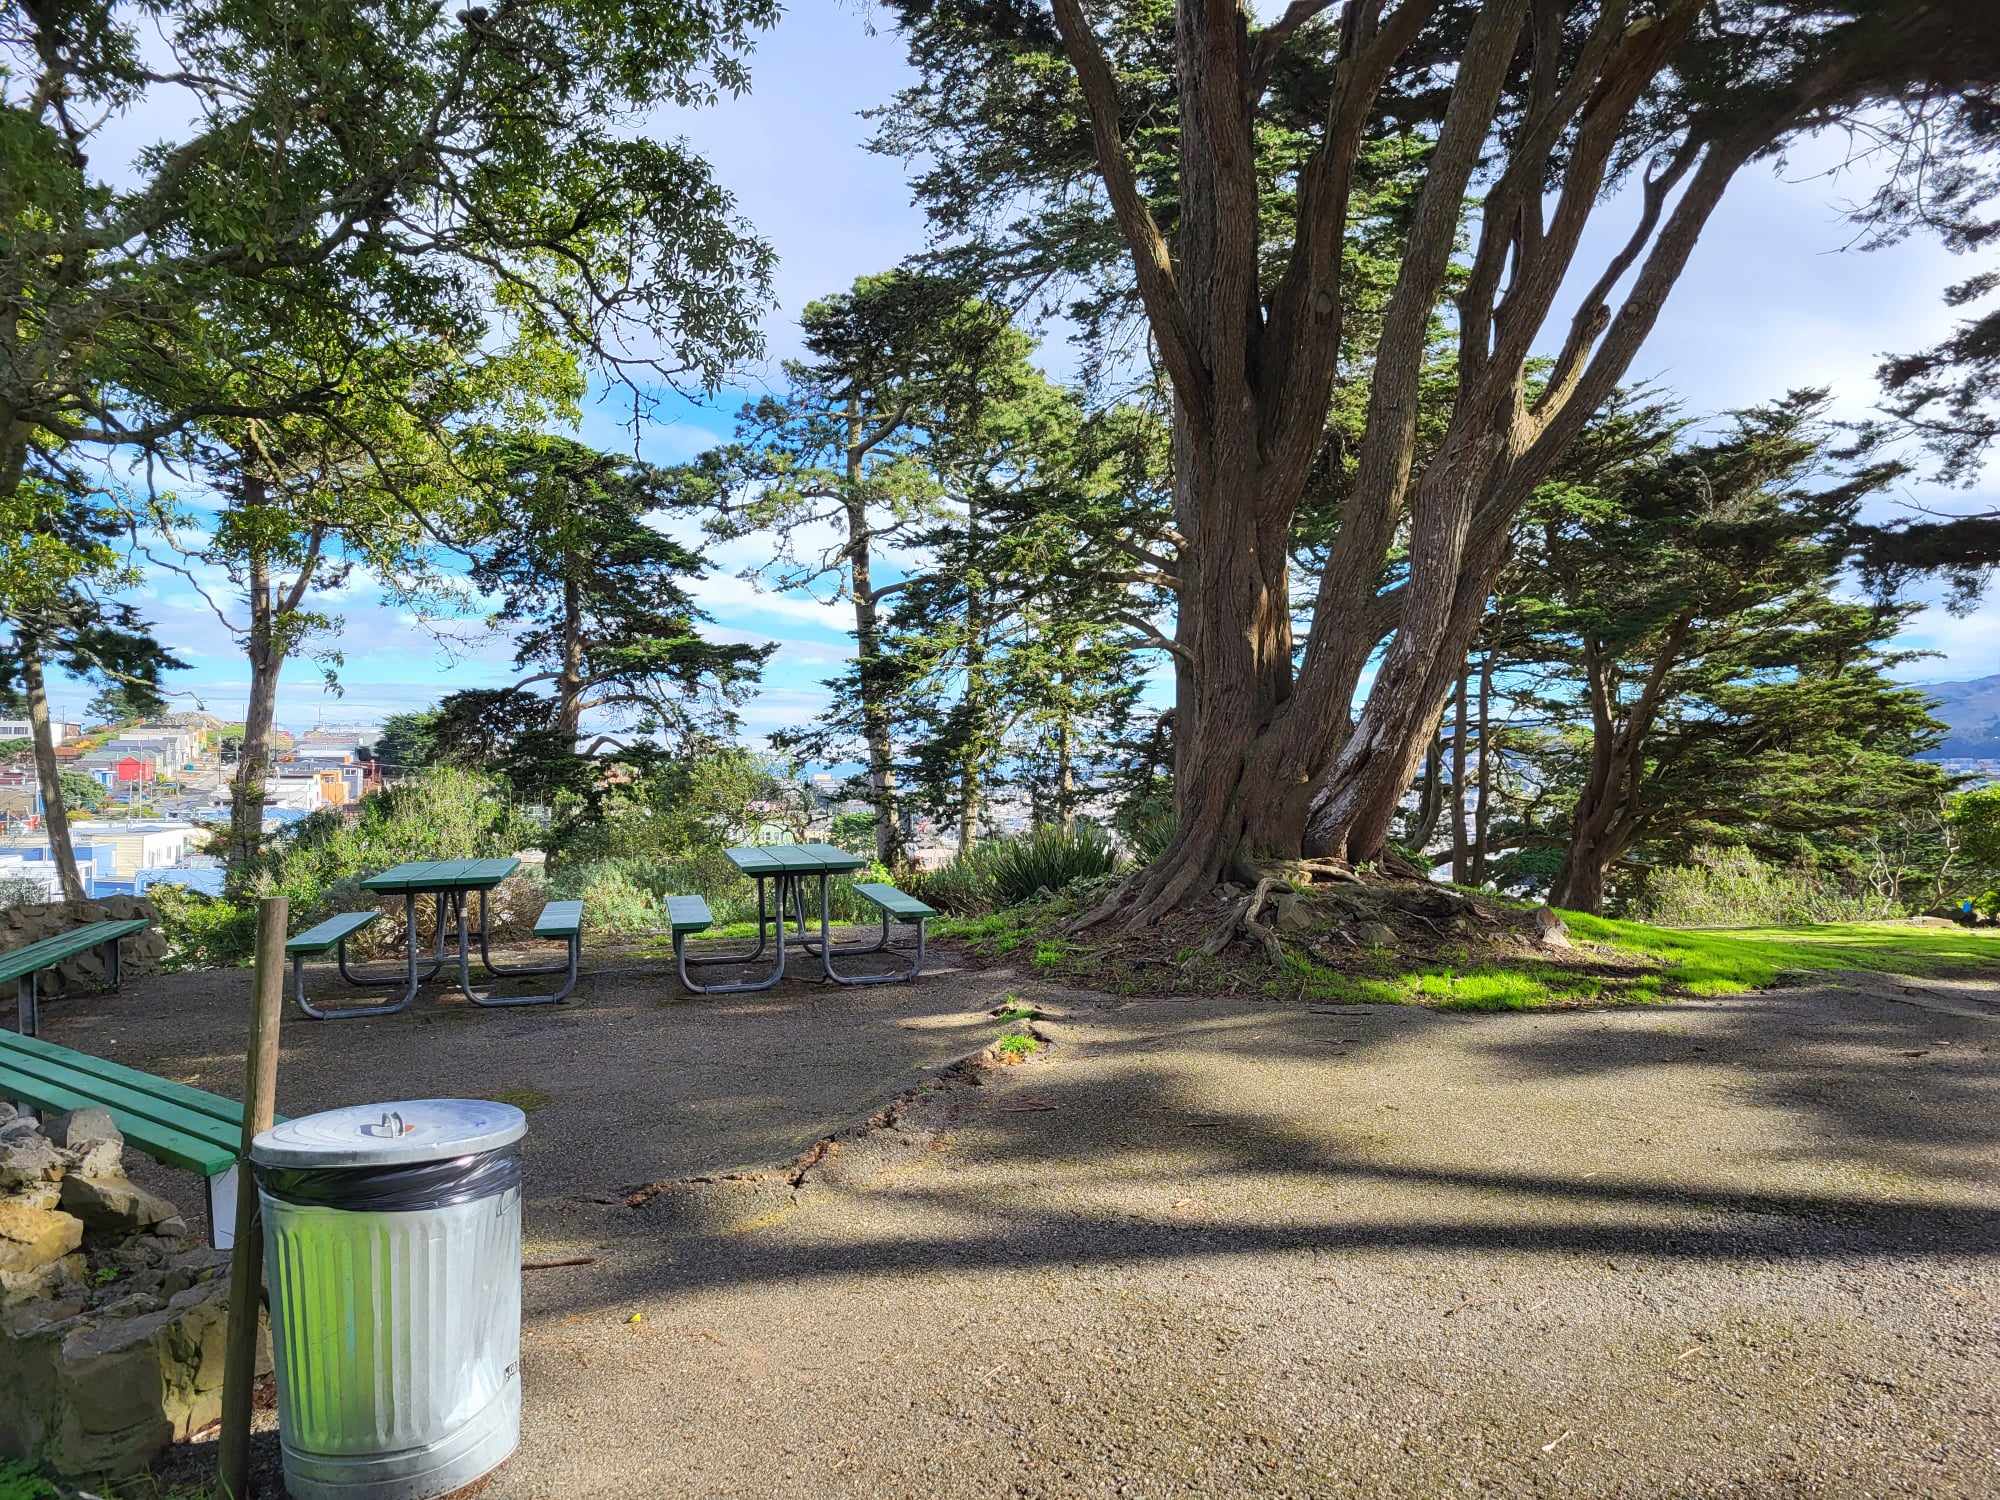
[[433, 963], [683, 963], [499, 1002], [511, 971], [827, 950], [413, 980]]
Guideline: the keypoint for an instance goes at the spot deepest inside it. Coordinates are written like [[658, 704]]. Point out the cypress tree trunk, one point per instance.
[[1461, 851], [1482, 814], [48, 770], [875, 726]]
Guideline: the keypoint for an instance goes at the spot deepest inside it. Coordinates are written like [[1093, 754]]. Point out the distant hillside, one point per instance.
[[1972, 710]]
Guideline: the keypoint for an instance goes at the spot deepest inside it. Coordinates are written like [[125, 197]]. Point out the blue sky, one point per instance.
[[1772, 299]]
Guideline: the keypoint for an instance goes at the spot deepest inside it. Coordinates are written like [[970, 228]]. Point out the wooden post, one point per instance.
[[246, 1270]]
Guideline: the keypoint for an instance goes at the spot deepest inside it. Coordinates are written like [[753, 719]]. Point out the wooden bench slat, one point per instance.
[[688, 913], [330, 933], [50, 951], [560, 919], [176, 1147], [896, 903]]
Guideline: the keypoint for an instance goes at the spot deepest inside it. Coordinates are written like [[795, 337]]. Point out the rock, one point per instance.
[[59, 1278], [29, 1158], [139, 954], [31, 1238], [115, 1205], [93, 1141], [43, 1194], [1546, 928], [1294, 915], [1375, 935]]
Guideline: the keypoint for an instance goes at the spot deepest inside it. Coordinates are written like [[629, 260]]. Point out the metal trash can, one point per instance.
[[392, 1243]]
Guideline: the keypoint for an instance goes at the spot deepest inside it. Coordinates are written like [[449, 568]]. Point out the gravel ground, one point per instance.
[[1208, 1247]]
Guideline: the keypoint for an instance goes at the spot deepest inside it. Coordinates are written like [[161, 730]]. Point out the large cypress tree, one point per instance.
[[1215, 173]]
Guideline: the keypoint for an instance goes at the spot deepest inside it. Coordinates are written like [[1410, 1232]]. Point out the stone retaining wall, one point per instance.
[[139, 954], [112, 1320]]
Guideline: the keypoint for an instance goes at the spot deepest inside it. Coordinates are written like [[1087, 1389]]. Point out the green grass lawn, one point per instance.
[[1644, 965], [1715, 961]]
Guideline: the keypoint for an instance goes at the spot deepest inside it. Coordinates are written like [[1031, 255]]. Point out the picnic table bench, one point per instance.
[[789, 867], [27, 965], [451, 882], [171, 1122]]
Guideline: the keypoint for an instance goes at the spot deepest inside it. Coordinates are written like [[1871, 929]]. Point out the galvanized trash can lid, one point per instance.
[[390, 1135]]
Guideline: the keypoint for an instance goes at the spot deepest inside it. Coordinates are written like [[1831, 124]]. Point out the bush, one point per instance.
[[962, 886], [1150, 832], [1048, 861], [1731, 887], [201, 931], [629, 894]]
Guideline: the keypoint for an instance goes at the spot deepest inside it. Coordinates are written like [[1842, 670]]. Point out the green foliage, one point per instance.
[[203, 931], [1011, 871], [1149, 826], [409, 741], [603, 624], [83, 791], [444, 813], [22, 1481], [1731, 887], [1048, 862], [627, 894], [1018, 1044], [1974, 819], [1726, 963]]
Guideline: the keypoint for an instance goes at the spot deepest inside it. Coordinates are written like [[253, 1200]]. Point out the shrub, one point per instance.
[[628, 894], [1048, 860], [202, 931], [18, 890], [1731, 887], [1149, 831], [961, 887]]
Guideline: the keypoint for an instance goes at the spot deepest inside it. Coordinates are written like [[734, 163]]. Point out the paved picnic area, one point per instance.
[[1207, 1247]]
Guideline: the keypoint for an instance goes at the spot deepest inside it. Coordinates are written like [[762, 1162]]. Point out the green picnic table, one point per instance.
[[791, 868], [450, 883]]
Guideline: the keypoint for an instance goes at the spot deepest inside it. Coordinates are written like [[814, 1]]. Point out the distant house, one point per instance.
[[22, 729], [116, 849], [126, 767]]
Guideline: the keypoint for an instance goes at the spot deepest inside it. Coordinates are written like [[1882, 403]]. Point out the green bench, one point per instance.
[[560, 921], [896, 906], [687, 915], [171, 1122], [27, 965]]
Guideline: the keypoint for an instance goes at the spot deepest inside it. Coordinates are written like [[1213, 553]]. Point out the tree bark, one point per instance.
[[253, 761], [875, 720], [48, 770], [570, 682], [1430, 802], [1483, 812], [1461, 851]]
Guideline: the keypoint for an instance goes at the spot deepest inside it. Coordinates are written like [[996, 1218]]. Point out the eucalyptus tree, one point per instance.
[[831, 468], [344, 175], [1212, 165]]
